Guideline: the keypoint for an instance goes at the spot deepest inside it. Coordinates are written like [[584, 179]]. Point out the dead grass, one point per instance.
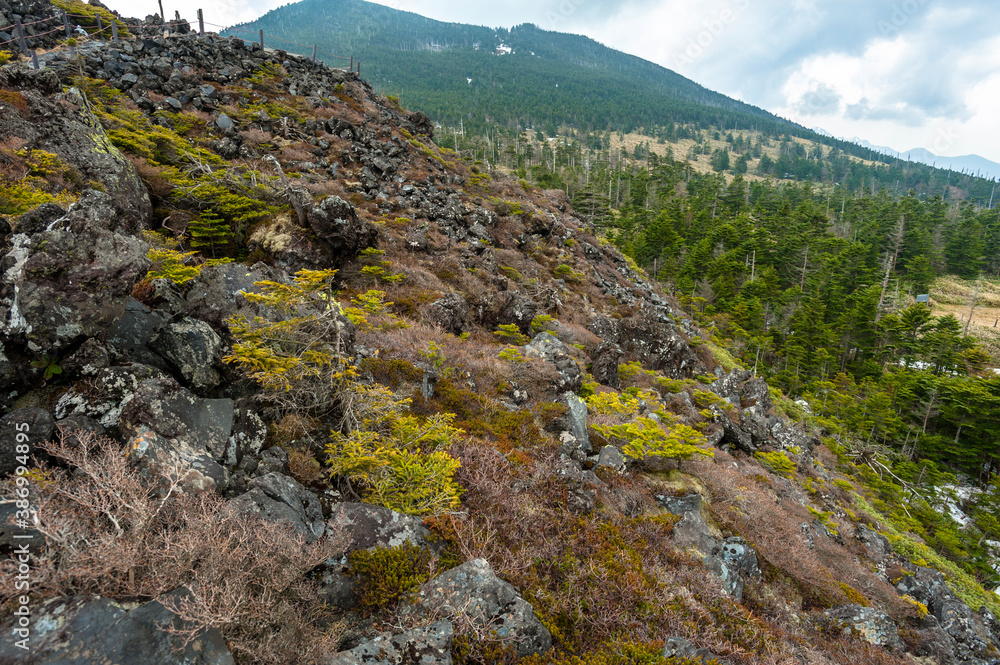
[[952, 295]]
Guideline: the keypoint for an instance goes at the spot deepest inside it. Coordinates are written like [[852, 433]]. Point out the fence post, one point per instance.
[[352, 63], [20, 34], [201, 23], [314, 54], [261, 40], [163, 17], [114, 31], [359, 69], [34, 59], [100, 24], [69, 35]]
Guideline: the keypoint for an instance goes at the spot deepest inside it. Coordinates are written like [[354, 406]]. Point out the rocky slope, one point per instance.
[[463, 299]]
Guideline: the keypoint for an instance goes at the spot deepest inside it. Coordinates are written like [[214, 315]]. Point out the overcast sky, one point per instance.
[[901, 73]]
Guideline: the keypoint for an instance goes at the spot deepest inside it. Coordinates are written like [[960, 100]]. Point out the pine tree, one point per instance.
[[209, 230]]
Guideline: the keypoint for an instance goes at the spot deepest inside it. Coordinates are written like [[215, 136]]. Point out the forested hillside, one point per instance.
[[462, 77]]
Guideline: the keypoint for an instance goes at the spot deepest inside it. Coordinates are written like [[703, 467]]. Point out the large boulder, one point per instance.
[[576, 426], [604, 363], [279, 498], [420, 646], [214, 295], [365, 526], [105, 395], [193, 350], [22, 430], [73, 280], [473, 591], [171, 433], [450, 312], [88, 630], [652, 338], [336, 222], [866, 624], [75, 136], [549, 348]]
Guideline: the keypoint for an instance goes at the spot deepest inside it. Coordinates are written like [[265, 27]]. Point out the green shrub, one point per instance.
[[645, 439], [777, 463], [512, 334], [402, 465]]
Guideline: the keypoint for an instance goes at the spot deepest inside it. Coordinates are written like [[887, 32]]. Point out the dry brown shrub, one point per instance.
[[255, 136], [106, 535], [744, 504]]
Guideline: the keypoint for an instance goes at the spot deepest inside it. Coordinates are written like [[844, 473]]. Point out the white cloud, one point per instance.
[[899, 72]]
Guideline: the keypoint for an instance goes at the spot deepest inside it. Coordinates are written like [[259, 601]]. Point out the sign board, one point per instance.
[[924, 298]]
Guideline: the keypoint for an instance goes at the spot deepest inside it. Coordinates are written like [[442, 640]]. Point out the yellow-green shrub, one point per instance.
[[645, 438], [400, 462], [777, 463]]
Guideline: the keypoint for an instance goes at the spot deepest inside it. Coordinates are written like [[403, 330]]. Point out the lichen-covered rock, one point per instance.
[[214, 295], [576, 425], [741, 557], [679, 647], [473, 591], [612, 458], [336, 222], [88, 630], [549, 348], [279, 498], [23, 427], [866, 624], [162, 461], [420, 646], [75, 136], [651, 337], [176, 414], [366, 526], [193, 350], [75, 278], [105, 395], [450, 312], [604, 364]]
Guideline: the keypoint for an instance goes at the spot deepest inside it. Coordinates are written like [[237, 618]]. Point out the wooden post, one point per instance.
[[359, 69], [314, 53], [69, 35], [114, 31], [352, 63], [261, 40], [34, 59], [20, 35], [163, 16], [100, 24], [201, 22]]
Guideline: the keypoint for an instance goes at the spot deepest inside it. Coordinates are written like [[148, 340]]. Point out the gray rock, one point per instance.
[[866, 624], [604, 364], [679, 647], [450, 312], [549, 348], [75, 428], [224, 122], [576, 420], [193, 350], [214, 295], [87, 630], [76, 277], [740, 557], [336, 222], [175, 414], [612, 458], [732, 582], [88, 360], [474, 591], [162, 461], [279, 498], [679, 505], [76, 136], [127, 339], [34, 221], [420, 646], [366, 526], [104, 396], [877, 545], [23, 427]]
